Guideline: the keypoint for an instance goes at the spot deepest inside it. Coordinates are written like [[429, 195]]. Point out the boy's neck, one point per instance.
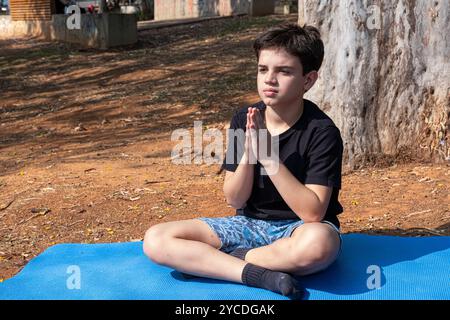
[[279, 119]]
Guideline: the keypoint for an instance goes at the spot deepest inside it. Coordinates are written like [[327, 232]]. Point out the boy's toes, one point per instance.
[[291, 288]]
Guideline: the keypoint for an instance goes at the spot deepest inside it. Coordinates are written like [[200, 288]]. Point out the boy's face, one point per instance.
[[280, 78]]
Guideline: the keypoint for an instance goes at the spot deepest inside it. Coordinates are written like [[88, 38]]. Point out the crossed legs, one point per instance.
[[190, 246]]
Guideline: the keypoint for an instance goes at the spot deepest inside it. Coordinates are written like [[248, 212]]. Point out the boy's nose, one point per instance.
[[270, 78]]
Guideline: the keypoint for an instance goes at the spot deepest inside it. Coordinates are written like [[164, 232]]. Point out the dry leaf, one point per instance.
[[40, 211]]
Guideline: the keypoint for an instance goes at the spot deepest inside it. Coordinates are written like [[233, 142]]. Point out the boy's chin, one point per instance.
[[270, 101]]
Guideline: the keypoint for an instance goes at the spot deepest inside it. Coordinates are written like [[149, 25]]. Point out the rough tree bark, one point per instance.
[[386, 75]]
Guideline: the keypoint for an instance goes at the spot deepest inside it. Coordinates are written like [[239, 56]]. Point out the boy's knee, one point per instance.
[[305, 258], [315, 249], [154, 241]]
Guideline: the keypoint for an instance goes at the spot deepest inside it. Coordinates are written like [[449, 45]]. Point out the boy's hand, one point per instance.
[[256, 118], [249, 147], [255, 123]]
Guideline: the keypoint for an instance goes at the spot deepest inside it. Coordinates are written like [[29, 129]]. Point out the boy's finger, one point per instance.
[[252, 119], [256, 119], [249, 111]]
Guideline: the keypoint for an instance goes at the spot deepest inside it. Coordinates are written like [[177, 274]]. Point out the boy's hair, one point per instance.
[[303, 42]]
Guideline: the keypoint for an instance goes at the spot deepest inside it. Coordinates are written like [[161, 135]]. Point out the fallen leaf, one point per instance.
[[40, 211]]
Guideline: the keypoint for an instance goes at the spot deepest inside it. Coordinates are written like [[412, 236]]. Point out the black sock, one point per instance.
[[280, 282], [240, 253]]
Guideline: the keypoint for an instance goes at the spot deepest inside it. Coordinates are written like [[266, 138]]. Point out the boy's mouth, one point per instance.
[[270, 92]]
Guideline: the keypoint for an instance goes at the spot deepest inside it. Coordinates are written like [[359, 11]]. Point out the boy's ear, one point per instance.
[[310, 79]]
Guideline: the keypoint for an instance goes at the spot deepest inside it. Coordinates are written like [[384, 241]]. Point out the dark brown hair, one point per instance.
[[302, 42]]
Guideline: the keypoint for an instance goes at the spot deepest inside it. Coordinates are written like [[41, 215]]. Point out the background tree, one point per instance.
[[385, 79]]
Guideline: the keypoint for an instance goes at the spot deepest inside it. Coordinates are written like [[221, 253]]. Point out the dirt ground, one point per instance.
[[85, 142]]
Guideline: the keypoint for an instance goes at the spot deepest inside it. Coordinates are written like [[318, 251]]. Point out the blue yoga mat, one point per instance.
[[369, 267]]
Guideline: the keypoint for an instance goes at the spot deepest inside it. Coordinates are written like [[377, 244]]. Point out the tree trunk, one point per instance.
[[386, 75]]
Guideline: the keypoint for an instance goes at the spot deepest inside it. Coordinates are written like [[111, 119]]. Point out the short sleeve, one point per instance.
[[324, 158], [235, 143]]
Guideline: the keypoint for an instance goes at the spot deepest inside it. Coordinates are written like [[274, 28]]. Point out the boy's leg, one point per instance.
[[179, 245], [191, 246], [312, 247]]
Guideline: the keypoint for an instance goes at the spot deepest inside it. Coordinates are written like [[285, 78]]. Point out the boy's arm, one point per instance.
[[308, 201], [238, 185]]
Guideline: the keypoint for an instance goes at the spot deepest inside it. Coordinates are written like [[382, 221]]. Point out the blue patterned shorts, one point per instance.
[[244, 232]]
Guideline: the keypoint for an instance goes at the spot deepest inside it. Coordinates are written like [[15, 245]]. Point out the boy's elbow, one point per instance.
[[231, 201], [310, 219], [313, 216], [234, 203]]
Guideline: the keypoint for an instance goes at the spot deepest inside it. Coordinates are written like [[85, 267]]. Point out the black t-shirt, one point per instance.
[[312, 151]]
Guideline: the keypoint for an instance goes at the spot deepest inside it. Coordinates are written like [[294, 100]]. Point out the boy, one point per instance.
[[285, 223]]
